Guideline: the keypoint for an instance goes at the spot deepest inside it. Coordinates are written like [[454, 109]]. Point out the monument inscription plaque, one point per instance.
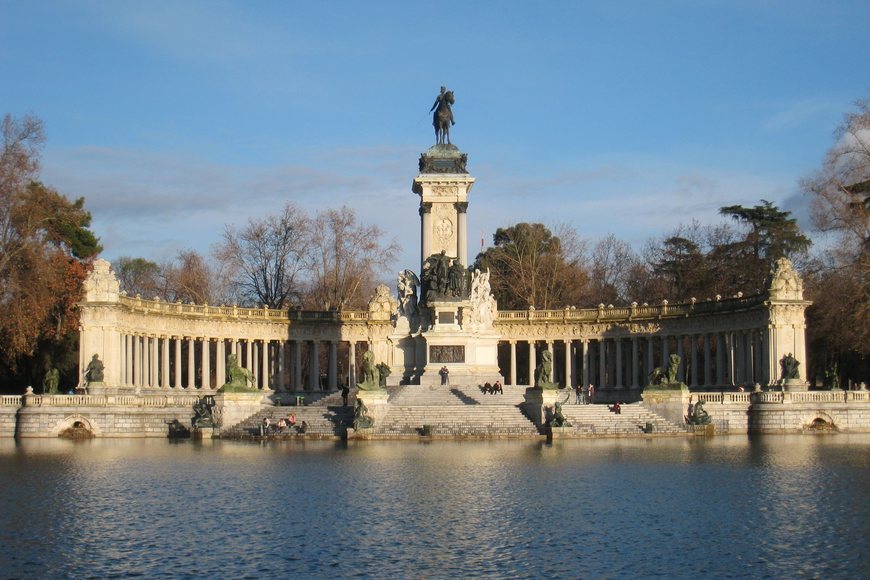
[[447, 353]]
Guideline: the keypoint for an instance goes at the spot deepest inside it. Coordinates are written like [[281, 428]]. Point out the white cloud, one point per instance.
[[799, 112]]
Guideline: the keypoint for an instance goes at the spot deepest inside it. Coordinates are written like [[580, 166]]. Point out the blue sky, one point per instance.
[[175, 118]]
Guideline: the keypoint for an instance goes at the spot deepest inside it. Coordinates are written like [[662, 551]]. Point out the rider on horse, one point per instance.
[[443, 117]]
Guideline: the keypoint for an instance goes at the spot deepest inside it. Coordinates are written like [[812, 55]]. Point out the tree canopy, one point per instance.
[[45, 251]]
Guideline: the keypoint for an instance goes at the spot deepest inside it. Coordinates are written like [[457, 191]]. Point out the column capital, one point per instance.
[[425, 207], [461, 206]]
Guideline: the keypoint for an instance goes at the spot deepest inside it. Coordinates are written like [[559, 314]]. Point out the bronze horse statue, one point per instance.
[[443, 117]]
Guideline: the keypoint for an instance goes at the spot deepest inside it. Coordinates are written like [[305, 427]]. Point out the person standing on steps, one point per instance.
[[445, 375], [578, 394], [591, 394]]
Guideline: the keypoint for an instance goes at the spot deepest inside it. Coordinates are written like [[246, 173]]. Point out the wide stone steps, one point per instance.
[[457, 421], [455, 395], [599, 420], [323, 421]]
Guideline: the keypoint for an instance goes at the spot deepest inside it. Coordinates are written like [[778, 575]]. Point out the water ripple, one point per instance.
[[726, 507]]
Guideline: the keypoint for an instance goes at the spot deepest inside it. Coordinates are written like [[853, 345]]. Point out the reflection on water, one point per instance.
[[726, 506]]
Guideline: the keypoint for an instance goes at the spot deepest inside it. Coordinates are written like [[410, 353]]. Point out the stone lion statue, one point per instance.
[[371, 375], [544, 372], [239, 377]]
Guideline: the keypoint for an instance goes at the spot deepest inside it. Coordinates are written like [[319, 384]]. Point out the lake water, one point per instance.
[[728, 506]]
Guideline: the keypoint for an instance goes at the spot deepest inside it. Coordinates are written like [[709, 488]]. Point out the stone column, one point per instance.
[[297, 365], [178, 362], [351, 364], [281, 366], [264, 367], [254, 361], [426, 217], [221, 366], [585, 346], [619, 362], [666, 351], [154, 365], [731, 363], [569, 376], [758, 358], [635, 354], [164, 367], [249, 360], [206, 362], [332, 371], [314, 366], [708, 362], [140, 367], [532, 361], [461, 231], [602, 363], [234, 349], [650, 355], [191, 363], [513, 376], [720, 359], [694, 354], [681, 372], [767, 377], [592, 377], [128, 371]]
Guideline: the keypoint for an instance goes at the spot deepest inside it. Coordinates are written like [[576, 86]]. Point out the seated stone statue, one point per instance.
[[789, 367], [361, 418], [544, 372], [559, 419], [94, 371], [240, 378], [202, 416], [698, 416]]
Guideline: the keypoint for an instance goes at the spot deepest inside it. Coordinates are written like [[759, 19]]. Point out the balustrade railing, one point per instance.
[[10, 400], [153, 401], [627, 313]]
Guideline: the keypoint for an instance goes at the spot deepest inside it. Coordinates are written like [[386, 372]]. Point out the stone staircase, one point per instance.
[[592, 420], [455, 411], [325, 421]]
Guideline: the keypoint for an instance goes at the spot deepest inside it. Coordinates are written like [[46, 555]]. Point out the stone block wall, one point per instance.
[[8, 419], [853, 417], [101, 421]]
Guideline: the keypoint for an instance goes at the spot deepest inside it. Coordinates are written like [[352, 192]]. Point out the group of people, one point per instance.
[[584, 395], [491, 389], [283, 424]]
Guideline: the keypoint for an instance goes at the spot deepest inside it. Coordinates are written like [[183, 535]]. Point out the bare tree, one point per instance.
[[346, 258], [612, 263], [840, 286], [190, 278], [531, 265], [264, 260]]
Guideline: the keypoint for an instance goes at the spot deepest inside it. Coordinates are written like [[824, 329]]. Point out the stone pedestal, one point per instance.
[[670, 403], [376, 402], [233, 408], [795, 385], [538, 400], [103, 389], [471, 356]]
